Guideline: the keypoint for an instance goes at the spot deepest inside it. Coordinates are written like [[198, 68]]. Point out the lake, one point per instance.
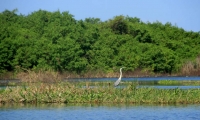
[[138, 79], [98, 112], [144, 81], [147, 81], [105, 111]]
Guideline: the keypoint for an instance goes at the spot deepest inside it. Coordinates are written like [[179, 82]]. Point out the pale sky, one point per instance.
[[182, 13]]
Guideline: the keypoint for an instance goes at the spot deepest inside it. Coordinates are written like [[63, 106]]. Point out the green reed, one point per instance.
[[177, 82], [96, 92]]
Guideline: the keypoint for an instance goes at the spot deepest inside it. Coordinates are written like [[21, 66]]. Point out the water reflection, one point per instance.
[[98, 111]]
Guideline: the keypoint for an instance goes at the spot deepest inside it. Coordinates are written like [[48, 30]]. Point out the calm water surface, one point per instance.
[[98, 112], [105, 112], [140, 78], [147, 81]]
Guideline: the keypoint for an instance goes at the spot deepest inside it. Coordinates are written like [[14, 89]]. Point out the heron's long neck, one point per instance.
[[120, 73]]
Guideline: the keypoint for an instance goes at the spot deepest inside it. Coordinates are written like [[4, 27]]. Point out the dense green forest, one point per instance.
[[46, 40]]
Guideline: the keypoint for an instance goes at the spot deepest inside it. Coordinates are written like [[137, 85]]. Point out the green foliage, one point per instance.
[[119, 25], [54, 40], [169, 82], [97, 93], [160, 59]]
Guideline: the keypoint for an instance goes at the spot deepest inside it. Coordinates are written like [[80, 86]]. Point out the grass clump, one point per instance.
[[177, 82], [96, 92], [168, 82]]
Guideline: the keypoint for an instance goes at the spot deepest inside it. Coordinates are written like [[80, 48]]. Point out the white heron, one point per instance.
[[120, 77]]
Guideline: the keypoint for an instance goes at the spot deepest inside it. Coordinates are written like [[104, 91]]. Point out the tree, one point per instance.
[[46, 40], [119, 25], [160, 59]]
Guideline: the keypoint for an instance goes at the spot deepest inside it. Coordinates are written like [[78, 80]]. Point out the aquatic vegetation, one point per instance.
[[177, 82], [96, 92], [1, 91], [168, 82]]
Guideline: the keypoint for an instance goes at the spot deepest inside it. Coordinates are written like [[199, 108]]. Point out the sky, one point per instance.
[[182, 13]]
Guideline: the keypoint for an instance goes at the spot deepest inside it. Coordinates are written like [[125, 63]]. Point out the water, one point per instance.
[[144, 81], [139, 78], [98, 112], [105, 111], [147, 81]]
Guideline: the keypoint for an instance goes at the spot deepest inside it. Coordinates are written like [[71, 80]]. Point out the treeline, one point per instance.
[[46, 40]]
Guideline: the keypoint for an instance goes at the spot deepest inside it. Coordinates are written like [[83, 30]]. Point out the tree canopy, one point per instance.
[[56, 40]]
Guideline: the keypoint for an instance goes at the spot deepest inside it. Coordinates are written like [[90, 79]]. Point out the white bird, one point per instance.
[[119, 80]]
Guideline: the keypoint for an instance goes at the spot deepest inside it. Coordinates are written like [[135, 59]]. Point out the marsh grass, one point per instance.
[[191, 68], [96, 92], [39, 76], [177, 82], [168, 82]]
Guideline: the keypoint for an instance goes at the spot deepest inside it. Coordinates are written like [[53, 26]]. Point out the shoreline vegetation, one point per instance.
[[48, 87], [96, 92], [46, 47], [51, 75]]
